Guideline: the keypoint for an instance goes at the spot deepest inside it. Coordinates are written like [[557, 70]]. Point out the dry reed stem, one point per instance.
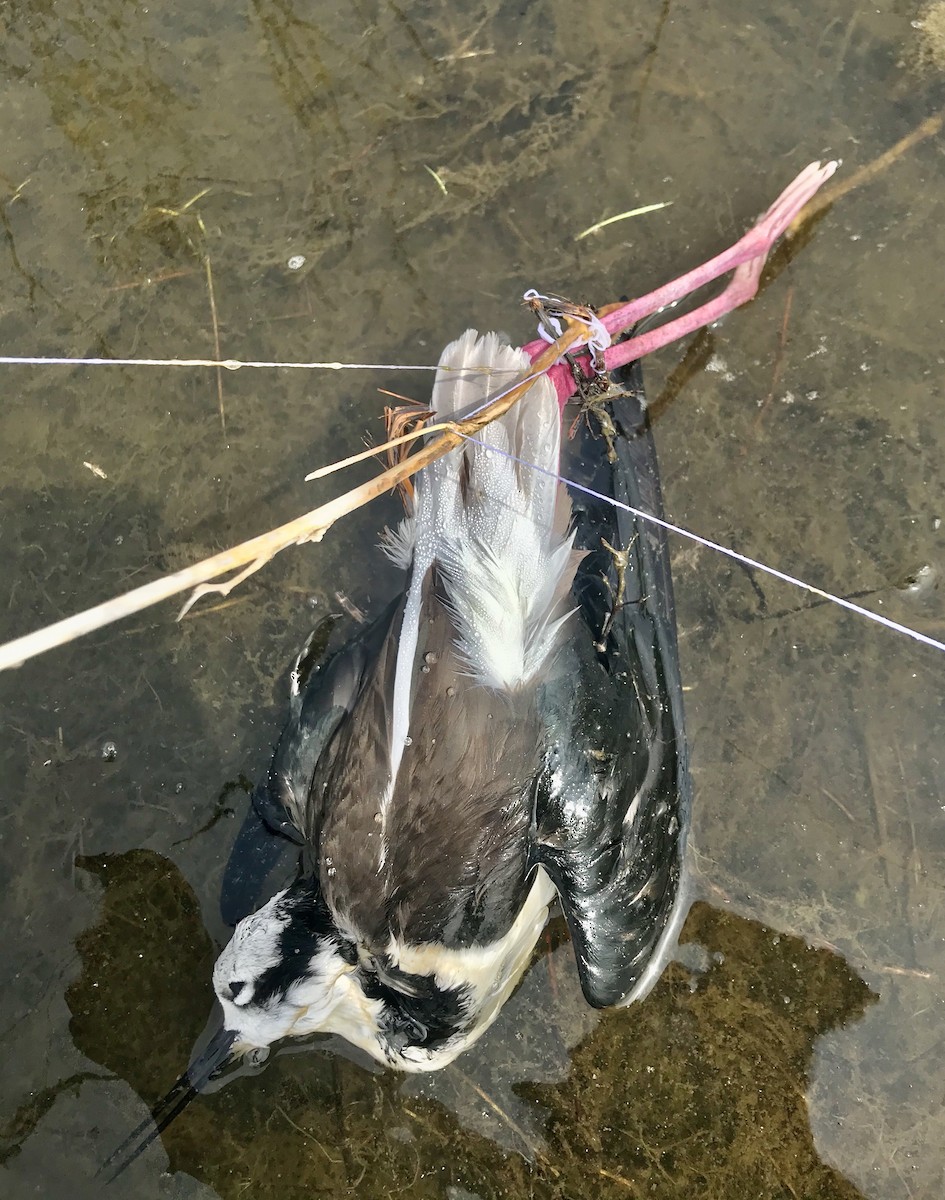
[[253, 554], [830, 195], [374, 451]]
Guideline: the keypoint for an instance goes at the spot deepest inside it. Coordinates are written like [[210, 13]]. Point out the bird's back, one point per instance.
[[427, 792]]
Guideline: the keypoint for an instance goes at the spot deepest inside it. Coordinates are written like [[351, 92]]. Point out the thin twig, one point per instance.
[[879, 811], [161, 277], [624, 216], [500, 1112], [311, 1137], [616, 1178], [839, 803], [438, 178], [210, 609], [221, 589], [778, 363], [373, 451], [216, 341]]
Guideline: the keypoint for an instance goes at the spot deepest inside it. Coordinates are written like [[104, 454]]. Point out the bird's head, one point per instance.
[[284, 971], [287, 972]]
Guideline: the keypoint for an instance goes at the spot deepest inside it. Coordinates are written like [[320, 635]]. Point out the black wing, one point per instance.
[[324, 686], [612, 804]]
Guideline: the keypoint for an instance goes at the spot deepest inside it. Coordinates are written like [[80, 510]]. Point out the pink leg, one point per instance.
[[743, 286], [747, 258]]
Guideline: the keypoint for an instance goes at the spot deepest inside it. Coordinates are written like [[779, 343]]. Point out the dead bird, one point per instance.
[[508, 734]]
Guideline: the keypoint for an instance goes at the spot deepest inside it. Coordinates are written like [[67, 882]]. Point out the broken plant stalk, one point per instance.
[[258, 551]]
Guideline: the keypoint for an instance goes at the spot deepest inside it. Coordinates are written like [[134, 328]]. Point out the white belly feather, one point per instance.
[[488, 973]]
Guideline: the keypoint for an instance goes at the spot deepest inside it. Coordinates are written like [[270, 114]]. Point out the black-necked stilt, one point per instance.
[[509, 732]]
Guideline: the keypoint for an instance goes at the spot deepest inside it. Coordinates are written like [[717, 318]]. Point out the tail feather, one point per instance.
[[497, 527]]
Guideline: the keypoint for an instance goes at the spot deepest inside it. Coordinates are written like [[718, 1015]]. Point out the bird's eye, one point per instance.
[[236, 986], [416, 1030]]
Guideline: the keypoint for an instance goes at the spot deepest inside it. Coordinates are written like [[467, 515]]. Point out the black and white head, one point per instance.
[[284, 973], [287, 972]]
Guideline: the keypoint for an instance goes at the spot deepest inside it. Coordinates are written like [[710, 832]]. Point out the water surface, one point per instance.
[[429, 163]]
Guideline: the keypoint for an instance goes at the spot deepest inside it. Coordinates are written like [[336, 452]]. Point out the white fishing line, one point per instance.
[[231, 364], [744, 559]]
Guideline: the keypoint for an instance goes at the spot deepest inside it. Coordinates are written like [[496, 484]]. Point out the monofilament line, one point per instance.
[[743, 559], [231, 364]]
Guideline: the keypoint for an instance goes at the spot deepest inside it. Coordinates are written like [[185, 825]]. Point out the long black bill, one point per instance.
[[216, 1054]]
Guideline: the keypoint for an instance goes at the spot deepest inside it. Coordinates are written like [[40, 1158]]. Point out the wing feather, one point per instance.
[[612, 803]]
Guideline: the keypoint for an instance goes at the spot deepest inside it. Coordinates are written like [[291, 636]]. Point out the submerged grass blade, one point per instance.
[[624, 216]]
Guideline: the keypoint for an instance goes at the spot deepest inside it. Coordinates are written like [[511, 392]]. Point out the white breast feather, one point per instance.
[[487, 973]]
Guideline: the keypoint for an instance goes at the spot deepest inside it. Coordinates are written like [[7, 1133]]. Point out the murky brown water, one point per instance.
[[141, 141]]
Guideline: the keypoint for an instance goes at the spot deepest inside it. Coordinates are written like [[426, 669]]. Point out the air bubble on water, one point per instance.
[[922, 581]]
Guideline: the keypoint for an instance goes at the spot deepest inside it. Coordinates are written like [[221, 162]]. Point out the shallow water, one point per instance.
[[140, 143]]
